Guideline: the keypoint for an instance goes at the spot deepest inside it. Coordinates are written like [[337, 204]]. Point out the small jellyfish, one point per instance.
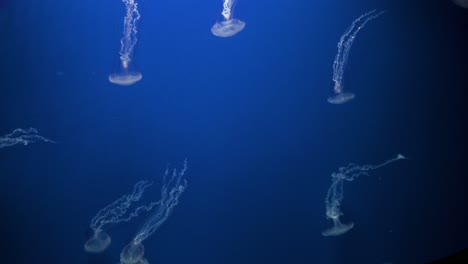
[[335, 193], [344, 46], [230, 26], [114, 213], [126, 73], [22, 136], [173, 187]]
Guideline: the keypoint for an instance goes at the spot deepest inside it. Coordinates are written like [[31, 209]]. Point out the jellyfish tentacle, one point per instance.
[[22, 136], [341, 58], [172, 188]]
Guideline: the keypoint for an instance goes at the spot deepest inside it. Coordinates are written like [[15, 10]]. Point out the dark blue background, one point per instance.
[[250, 114]]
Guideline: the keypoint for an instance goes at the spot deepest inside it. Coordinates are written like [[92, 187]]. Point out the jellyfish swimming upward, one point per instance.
[[121, 210], [22, 136], [173, 186], [126, 73], [229, 26], [335, 193], [344, 46]]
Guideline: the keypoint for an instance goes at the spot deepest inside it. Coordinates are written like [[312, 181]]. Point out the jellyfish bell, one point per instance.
[[133, 253], [125, 75], [99, 242], [228, 28], [338, 228], [341, 98]]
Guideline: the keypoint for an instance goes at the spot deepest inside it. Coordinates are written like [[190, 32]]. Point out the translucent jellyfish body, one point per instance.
[[335, 193], [173, 187], [132, 253], [338, 228], [341, 58], [98, 242], [126, 75], [341, 98], [229, 26]]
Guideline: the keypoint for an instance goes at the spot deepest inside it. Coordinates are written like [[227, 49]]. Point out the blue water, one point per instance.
[[250, 114]]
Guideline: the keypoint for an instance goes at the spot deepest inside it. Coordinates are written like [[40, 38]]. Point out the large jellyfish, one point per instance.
[[335, 193], [344, 46], [126, 74], [230, 26], [114, 213], [22, 136], [173, 187]]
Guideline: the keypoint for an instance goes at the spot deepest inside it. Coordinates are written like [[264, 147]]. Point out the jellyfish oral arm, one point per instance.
[[116, 212], [170, 193], [344, 46], [22, 136], [129, 38], [227, 9]]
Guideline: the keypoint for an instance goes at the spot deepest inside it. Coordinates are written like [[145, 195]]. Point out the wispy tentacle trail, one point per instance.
[[173, 186], [121, 210], [341, 58], [22, 136]]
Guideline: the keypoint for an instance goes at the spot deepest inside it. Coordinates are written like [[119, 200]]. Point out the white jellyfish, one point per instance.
[[126, 74], [173, 187], [22, 136], [461, 3], [229, 26], [344, 46], [335, 193], [114, 213]]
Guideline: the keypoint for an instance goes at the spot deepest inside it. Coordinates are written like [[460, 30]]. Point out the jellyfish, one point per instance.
[[22, 136], [229, 26], [335, 193], [126, 73], [116, 212], [344, 46], [461, 3], [173, 187]]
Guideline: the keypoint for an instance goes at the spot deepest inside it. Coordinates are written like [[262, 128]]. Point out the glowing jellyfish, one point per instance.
[[114, 213], [173, 187], [462, 3], [22, 136], [126, 74], [230, 26], [344, 46], [335, 193]]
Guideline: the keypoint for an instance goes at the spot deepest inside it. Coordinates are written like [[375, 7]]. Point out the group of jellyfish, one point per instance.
[[127, 74], [124, 210], [228, 27]]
